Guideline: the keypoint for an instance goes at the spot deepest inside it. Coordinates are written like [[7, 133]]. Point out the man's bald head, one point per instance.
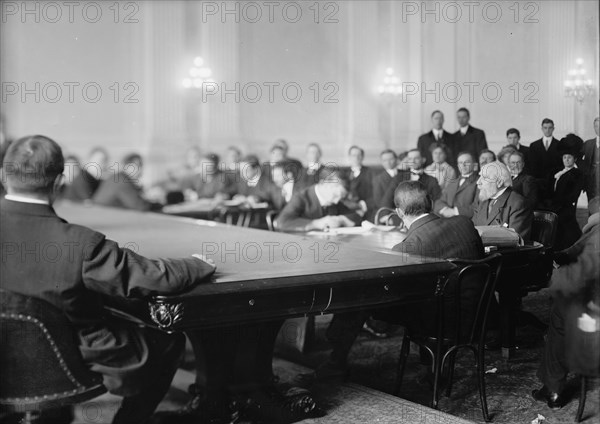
[[493, 177], [32, 165]]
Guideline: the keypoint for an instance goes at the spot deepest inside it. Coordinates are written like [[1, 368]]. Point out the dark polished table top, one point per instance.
[[266, 274]]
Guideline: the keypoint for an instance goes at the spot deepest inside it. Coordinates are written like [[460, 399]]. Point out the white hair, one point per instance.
[[496, 171]]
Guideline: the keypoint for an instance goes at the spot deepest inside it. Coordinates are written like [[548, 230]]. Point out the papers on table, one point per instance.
[[365, 228]]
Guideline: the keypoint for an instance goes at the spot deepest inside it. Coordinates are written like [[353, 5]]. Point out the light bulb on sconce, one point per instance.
[[198, 75], [576, 85], [391, 84]]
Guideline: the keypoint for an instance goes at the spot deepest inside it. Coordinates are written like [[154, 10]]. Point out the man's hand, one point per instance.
[[203, 258]]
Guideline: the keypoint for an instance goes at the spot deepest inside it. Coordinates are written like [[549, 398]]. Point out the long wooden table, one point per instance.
[[262, 275]]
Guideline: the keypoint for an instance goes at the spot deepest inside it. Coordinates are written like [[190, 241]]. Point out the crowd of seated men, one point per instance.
[[448, 182]]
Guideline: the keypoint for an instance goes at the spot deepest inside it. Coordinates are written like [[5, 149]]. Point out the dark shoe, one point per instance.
[[376, 328], [280, 404], [554, 400], [200, 411]]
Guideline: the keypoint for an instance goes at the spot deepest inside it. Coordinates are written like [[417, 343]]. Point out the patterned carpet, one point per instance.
[[374, 361]]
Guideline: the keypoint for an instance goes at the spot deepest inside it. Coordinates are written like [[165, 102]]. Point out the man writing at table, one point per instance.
[[138, 364], [428, 236], [318, 207]]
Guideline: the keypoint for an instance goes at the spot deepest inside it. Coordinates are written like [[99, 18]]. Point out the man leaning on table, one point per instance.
[[318, 207], [499, 204], [136, 363]]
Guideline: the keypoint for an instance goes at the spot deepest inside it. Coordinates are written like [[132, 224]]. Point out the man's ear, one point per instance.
[[58, 182]]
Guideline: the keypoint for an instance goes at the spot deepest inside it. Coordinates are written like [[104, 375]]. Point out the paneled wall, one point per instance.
[[336, 53]]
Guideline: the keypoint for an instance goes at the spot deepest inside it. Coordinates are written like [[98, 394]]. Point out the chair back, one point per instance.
[[40, 363], [543, 229], [470, 290], [271, 217], [392, 217]]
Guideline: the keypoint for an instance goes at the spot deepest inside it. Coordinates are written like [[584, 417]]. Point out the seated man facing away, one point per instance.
[[573, 340], [458, 196], [428, 236], [498, 204], [137, 363], [123, 190], [86, 182], [318, 207]]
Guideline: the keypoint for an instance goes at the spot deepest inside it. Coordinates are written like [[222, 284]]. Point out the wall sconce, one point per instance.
[[577, 85], [391, 84], [198, 75]]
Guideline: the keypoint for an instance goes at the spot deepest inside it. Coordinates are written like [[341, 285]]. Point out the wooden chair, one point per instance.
[[392, 217], [40, 363], [271, 218], [465, 332]]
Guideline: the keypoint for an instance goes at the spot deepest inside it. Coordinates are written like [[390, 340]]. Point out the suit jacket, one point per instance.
[[427, 142], [542, 162], [81, 188], [305, 207], [590, 168], [381, 182], [473, 141], [459, 196], [433, 237], [510, 209], [527, 186], [430, 183], [121, 192]]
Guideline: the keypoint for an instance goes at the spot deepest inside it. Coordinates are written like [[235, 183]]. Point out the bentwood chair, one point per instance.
[[463, 302], [390, 215], [40, 363]]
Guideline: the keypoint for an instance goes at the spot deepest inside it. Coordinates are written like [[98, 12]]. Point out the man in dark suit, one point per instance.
[[437, 136], [122, 190], [428, 236], [136, 363], [381, 182], [468, 138], [414, 160], [522, 183], [513, 137], [315, 170], [573, 340], [591, 162], [317, 208], [458, 196], [87, 181], [359, 180], [498, 204], [544, 157]]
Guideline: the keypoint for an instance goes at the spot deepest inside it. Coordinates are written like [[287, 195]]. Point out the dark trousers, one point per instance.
[[553, 368], [164, 354]]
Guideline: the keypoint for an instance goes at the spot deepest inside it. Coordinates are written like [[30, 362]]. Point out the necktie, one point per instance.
[[490, 206], [547, 144]]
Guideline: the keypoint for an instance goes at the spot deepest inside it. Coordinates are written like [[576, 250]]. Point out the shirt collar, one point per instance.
[[417, 218], [463, 130], [313, 166], [25, 199], [467, 176], [392, 172], [438, 132]]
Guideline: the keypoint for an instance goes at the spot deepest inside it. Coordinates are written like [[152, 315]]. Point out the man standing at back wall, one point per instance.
[[468, 138]]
